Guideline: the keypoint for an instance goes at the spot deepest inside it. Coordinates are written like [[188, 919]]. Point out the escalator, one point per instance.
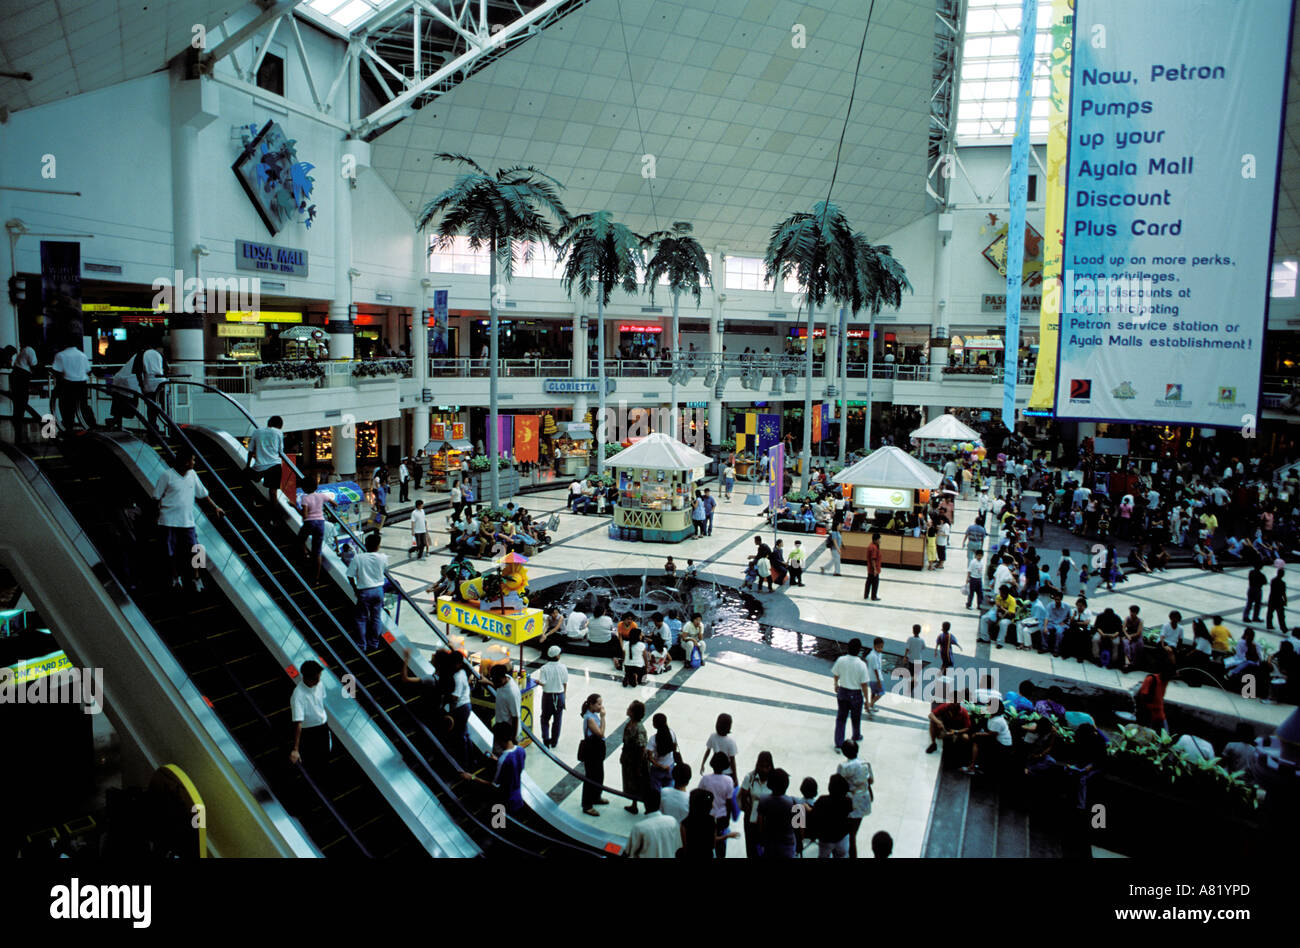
[[324, 608], [339, 806]]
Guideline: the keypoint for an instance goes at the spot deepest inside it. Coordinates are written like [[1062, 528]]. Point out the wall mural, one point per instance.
[[278, 184]]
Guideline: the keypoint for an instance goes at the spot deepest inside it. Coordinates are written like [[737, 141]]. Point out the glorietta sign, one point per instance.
[[575, 386], [270, 259]]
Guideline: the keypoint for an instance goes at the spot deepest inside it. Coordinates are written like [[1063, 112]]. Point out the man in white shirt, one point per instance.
[[850, 675], [675, 800], [24, 367], [457, 499], [575, 626], [265, 446], [141, 375], [1002, 576], [554, 679], [176, 492], [366, 573], [419, 531], [509, 703], [311, 735], [575, 491], [403, 481], [913, 654], [975, 580], [658, 836], [73, 370]]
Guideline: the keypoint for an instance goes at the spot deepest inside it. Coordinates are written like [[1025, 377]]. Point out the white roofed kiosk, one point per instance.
[[656, 479], [887, 479]]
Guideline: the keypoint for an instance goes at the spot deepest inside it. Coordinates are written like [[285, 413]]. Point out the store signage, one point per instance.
[[886, 498], [637, 327], [801, 332], [576, 386], [241, 331], [997, 302], [515, 628], [262, 316], [996, 253], [447, 431], [267, 258]]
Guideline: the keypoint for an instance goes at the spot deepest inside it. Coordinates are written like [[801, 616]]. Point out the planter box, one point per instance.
[[507, 481], [284, 385]]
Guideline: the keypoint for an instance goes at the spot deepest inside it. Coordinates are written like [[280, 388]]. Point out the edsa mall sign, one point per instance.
[[267, 258], [1174, 139]]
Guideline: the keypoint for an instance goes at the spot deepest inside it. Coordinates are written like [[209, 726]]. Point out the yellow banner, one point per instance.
[[35, 668], [516, 628], [262, 316], [1058, 132]]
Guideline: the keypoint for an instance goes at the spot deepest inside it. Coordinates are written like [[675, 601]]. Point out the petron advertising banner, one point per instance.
[[1176, 110], [1058, 135]]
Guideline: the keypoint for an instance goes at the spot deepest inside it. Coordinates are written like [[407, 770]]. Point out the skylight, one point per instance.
[[346, 13], [990, 64]]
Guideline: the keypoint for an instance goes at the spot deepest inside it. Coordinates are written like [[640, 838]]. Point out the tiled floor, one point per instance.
[[784, 703]]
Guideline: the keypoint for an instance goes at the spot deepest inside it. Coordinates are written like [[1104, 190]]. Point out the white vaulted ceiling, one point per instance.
[[742, 125], [75, 46]]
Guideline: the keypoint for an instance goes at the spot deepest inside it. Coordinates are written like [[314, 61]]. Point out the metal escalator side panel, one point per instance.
[[412, 799], [150, 698], [534, 796]]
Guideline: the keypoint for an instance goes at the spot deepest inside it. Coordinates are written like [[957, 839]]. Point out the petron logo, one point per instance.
[[1173, 392], [1124, 391], [1080, 390], [1227, 394]]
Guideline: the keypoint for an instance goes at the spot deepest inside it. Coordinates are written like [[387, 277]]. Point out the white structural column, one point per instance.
[[340, 326], [942, 282], [193, 106], [419, 349], [716, 423], [581, 403]]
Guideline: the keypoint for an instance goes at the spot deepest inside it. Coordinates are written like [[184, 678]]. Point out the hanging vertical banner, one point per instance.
[[769, 431], [60, 285], [1058, 142], [527, 430], [505, 434], [827, 409], [438, 329], [1019, 196], [776, 482], [817, 422], [1176, 111]]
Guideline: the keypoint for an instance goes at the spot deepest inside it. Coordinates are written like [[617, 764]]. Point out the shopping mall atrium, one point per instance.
[[516, 428]]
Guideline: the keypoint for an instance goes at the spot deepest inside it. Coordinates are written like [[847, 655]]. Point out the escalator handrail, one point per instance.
[[36, 472], [433, 780], [401, 592]]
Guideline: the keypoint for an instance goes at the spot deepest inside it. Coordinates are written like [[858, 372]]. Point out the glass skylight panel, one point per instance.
[[346, 13], [986, 91]]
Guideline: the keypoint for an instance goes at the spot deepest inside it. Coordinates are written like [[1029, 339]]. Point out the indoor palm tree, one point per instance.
[[818, 249], [599, 254], [680, 259], [496, 211], [880, 282]]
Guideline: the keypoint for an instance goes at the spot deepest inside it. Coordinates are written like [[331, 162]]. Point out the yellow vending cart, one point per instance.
[[514, 627], [656, 479]]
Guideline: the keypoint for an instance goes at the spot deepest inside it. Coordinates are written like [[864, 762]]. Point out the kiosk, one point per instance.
[[573, 441], [888, 479], [656, 480], [513, 627], [444, 459], [937, 438]]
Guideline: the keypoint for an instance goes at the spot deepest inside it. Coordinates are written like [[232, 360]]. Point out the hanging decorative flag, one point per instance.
[[826, 421], [527, 428], [769, 431], [505, 434], [776, 484], [438, 431], [817, 423]]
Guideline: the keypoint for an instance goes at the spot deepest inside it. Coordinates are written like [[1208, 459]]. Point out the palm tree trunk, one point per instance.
[[493, 430], [807, 404], [844, 382], [600, 376], [677, 358]]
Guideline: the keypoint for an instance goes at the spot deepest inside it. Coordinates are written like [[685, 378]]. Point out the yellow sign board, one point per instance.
[[239, 330], [516, 628], [262, 316], [35, 668]]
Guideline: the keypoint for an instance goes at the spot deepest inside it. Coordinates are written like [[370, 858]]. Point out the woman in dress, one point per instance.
[[636, 769]]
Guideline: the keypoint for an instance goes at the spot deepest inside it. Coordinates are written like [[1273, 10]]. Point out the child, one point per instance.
[[795, 562], [670, 569], [419, 531], [751, 576], [346, 554]]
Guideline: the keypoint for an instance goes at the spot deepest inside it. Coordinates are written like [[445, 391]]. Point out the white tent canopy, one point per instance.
[[889, 467], [659, 452], [945, 428]]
